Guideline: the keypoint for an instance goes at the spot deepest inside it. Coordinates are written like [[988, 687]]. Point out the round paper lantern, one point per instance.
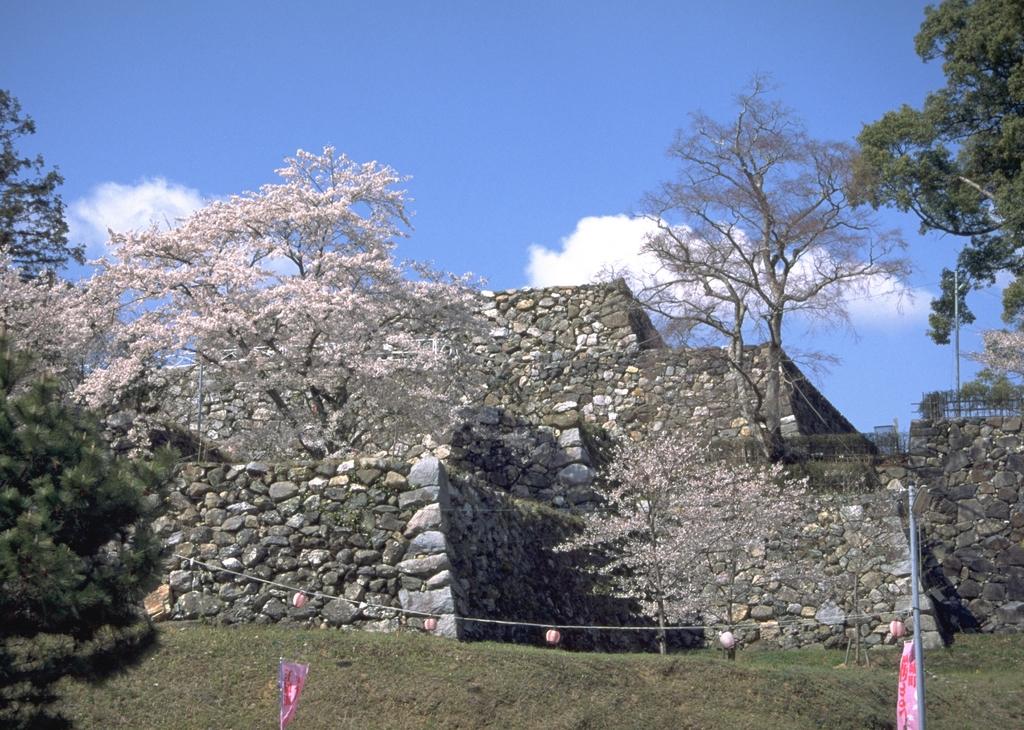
[[299, 600], [727, 640], [430, 624], [897, 628], [553, 636]]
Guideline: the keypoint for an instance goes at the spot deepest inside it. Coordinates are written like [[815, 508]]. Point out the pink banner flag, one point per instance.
[[906, 696], [291, 678]]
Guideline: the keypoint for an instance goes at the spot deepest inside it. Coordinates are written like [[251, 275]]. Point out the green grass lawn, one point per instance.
[[202, 676]]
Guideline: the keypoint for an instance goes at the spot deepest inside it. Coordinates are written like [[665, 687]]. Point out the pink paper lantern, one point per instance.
[[897, 628], [299, 600], [553, 636], [430, 624], [727, 640]]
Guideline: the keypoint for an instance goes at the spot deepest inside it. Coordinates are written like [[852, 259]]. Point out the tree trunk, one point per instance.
[[773, 389], [662, 642]]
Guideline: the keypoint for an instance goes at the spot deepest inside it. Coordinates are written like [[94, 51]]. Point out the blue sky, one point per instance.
[[525, 126]]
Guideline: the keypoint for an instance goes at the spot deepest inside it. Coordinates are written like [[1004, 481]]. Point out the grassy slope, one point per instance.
[[208, 677]]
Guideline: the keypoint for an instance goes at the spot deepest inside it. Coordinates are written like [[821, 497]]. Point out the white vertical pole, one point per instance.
[[956, 323], [916, 602]]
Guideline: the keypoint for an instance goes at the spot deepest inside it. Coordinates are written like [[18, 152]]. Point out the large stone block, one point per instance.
[[576, 475], [430, 542], [426, 518], [429, 602], [427, 472], [339, 612], [419, 497], [425, 566]]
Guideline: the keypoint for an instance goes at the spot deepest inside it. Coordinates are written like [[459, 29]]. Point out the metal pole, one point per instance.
[[916, 604], [956, 323], [199, 411]]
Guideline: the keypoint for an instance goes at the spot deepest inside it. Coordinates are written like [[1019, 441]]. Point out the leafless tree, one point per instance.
[[758, 225]]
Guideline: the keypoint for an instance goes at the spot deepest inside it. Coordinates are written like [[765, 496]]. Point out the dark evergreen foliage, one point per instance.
[[32, 227], [958, 162], [76, 552]]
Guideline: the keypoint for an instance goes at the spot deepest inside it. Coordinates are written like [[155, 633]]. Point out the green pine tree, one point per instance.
[[76, 552]]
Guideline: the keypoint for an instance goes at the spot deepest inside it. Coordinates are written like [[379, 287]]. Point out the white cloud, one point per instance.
[[599, 244], [119, 207], [885, 303]]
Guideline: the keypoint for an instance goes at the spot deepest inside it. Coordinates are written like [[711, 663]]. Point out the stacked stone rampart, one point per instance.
[[555, 357], [365, 541], [972, 475], [379, 542], [569, 354]]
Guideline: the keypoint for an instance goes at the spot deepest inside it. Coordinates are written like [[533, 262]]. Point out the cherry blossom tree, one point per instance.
[[29, 316], [756, 227], [1004, 351], [678, 520], [292, 292]]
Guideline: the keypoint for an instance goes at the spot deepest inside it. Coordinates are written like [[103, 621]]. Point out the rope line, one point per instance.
[[854, 618]]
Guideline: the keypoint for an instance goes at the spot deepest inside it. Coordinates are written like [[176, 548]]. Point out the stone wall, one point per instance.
[[565, 355], [972, 477], [360, 538], [379, 544], [556, 357]]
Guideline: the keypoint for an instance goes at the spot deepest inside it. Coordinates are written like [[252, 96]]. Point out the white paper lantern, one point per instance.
[[897, 628], [299, 600], [727, 640], [553, 636], [430, 624]]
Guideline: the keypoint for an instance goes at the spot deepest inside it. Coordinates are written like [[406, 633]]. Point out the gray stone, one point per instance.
[[339, 612], [419, 497], [570, 437], [253, 555], [898, 569], [231, 592], [430, 542], [442, 579], [367, 557], [232, 524], [428, 472], [195, 604], [274, 609], [367, 476], [957, 460], [425, 566], [180, 580], [426, 518], [1013, 555], [447, 626], [428, 602], [242, 508], [576, 475], [394, 482], [1011, 613], [280, 491], [852, 513], [317, 558], [830, 614], [256, 468]]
